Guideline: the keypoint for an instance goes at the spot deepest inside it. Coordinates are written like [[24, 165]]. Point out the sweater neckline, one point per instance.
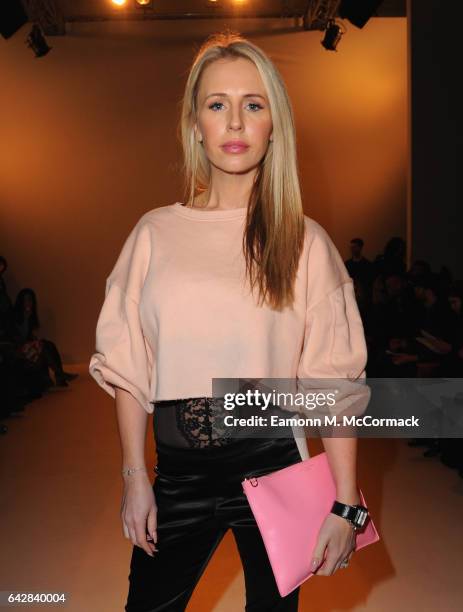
[[205, 215]]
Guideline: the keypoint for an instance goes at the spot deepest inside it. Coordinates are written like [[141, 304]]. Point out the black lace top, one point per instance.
[[198, 422], [194, 422]]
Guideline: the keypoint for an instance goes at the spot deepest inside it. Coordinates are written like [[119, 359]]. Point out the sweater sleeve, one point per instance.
[[334, 344], [122, 355]]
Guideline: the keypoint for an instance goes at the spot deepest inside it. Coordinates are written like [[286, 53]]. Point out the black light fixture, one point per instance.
[[332, 36], [358, 12], [12, 17], [37, 42]]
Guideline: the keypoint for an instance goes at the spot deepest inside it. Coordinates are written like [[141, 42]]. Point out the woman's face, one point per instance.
[[233, 106]]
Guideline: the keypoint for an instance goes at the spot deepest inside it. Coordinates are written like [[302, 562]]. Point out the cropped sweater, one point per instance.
[[177, 311]]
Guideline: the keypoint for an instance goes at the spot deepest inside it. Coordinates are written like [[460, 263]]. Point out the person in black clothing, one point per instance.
[[411, 320], [434, 314], [452, 348], [450, 450], [359, 267], [400, 306], [6, 305], [418, 270], [392, 327], [392, 260], [38, 354]]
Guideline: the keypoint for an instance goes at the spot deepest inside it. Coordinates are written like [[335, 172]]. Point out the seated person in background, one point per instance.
[[436, 334], [39, 353], [418, 270], [6, 306], [434, 314]]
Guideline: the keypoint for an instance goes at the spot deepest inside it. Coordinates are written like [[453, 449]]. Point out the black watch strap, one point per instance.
[[356, 515]]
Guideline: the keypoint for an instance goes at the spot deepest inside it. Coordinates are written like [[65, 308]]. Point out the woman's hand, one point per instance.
[[337, 536], [139, 512]]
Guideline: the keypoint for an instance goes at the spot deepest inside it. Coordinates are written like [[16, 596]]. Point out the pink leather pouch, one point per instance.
[[289, 506]]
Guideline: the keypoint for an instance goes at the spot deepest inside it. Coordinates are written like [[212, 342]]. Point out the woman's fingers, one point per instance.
[[332, 557], [343, 558], [336, 542], [152, 524], [132, 533], [348, 552], [139, 516], [140, 531], [340, 560], [131, 530], [317, 557], [121, 512]]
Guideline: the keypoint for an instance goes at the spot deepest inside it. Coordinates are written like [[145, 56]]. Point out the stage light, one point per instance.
[[12, 17], [332, 35], [143, 2], [37, 42], [357, 12], [119, 2]]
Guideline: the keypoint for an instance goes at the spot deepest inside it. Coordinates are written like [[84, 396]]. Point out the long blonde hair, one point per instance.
[[274, 232]]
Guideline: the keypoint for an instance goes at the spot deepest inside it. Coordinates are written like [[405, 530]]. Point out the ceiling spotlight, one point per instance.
[[332, 36], [37, 42], [357, 12]]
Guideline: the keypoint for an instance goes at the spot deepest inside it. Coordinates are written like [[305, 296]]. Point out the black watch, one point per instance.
[[356, 515]]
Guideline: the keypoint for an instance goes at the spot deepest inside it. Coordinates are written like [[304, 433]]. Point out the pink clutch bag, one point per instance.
[[289, 506]]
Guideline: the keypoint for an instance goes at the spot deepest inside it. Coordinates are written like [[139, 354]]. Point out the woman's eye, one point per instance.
[[256, 105], [214, 104]]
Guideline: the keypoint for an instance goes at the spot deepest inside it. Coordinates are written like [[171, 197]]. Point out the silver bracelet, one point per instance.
[[129, 471]]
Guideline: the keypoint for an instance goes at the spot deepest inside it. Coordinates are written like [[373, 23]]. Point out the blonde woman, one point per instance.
[[235, 282]]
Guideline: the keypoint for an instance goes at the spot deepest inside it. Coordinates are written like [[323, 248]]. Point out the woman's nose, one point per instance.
[[235, 120]]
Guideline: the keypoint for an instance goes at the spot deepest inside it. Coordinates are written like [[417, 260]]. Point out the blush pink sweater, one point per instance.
[[176, 311]]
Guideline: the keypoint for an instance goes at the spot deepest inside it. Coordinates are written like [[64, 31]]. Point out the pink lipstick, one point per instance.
[[235, 146]]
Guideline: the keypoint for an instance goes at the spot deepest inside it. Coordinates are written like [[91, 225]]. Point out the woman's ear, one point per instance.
[[198, 136]]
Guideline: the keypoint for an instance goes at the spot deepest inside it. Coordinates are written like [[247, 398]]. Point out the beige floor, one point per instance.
[[60, 527]]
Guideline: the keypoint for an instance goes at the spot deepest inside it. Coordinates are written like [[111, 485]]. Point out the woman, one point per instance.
[[38, 354], [181, 308]]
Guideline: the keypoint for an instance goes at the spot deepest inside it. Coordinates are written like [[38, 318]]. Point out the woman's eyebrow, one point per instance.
[[251, 95]]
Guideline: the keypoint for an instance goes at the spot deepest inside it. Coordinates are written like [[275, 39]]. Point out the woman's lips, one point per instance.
[[234, 148]]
